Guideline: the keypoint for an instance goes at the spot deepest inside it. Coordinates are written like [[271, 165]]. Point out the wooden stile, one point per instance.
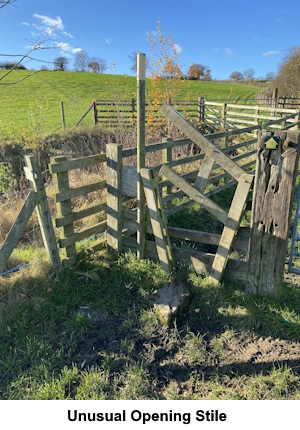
[[157, 218]]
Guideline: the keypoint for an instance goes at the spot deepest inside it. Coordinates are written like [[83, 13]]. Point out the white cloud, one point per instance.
[[178, 48], [66, 47], [25, 23], [108, 40], [215, 51], [229, 51], [48, 23], [67, 34], [270, 53]]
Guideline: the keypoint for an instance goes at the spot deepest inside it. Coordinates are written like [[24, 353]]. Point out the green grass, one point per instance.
[[33, 106], [223, 345]]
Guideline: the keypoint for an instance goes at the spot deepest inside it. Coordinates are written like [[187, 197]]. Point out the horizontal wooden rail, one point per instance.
[[77, 163], [80, 191], [83, 234], [78, 215]]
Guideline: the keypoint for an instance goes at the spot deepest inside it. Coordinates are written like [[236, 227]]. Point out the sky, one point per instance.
[[226, 36]]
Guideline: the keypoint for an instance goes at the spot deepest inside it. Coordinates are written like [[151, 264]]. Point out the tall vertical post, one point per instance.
[[201, 112], [114, 195], [276, 171], [141, 142], [63, 115], [223, 123], [61, 184], [95, 112], [166, 155], [43, 211]]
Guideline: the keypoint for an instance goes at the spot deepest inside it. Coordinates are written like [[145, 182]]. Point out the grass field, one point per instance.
[[33, 106]]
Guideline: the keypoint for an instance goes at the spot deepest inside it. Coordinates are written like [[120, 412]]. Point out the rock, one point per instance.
[[169, 298], [92, 315]]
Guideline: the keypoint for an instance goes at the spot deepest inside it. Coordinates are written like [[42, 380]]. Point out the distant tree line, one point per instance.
[[248, 75], [7, 65]]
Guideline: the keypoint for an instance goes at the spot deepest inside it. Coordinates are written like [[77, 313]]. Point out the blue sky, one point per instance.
[[224, 35]]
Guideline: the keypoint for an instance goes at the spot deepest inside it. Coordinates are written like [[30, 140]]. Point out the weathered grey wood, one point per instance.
[[83, 234], [194, 194], [141, 157], [63, 208], [204, 173], [236, 270], [166, 158], [80, 191], [129, 181], [231, 227], [241, 242], [77, 163], [114, 196], [63, 115], [276, 171], [216, 154], [43, 212], [83, 213], [157, 218], [17, 229]]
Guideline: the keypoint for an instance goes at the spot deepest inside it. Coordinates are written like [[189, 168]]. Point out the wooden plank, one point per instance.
[[236, 270], [216, 154], [141, 154], [77, 163], [83, 234], [64, 208], [80, 191], [114, 196], [241, 242], [204, 173], [78, 215], [43, 212], [230, 228], [194, 194], [17, 229], [129, 181], [276, 172], [157, 218], [166, 158]]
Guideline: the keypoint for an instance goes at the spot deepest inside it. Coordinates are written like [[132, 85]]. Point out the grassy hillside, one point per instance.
[[33, 105]]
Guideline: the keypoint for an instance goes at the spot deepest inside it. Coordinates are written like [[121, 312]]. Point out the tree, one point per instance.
[[196, 71], [249, 74], [133, 59], [236, 76], [270, 76], [288, 78], [81, 60], [207, 76], [97, 65], [61, 63]]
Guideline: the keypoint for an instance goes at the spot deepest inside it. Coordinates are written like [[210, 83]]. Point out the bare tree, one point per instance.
[[61, 64], [133, 60], [5, 3], [249, 74], [81, 60]]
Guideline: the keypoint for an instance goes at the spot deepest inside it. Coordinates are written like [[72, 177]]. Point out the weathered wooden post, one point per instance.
[[114, 195], [64, 208], [166, 155], [63, 115], [95, 112], [276, 170], [201, 110], [224, 124], [141, 158]]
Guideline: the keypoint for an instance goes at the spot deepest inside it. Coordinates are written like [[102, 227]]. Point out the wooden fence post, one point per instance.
[[223, 123], [114, 195], [141, 157], [275, 176], [61, 184], [201, 110], [63, 115], [43, 211], [166, 155], [133, 110], [95, 113]]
